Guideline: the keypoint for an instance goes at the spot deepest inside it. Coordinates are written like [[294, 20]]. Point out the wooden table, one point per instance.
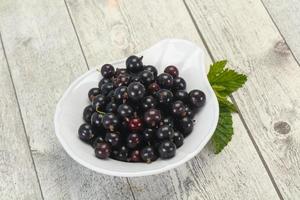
[[45, 45]]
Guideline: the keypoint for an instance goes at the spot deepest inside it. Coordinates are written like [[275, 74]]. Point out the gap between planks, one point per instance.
[[234, 102], [21, 116]]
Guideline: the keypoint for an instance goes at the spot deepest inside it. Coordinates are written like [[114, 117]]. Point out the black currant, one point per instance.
[[93, 93], [164, 97], [146, 77], [121, 94], [111, 107], [178, 109], [197, 98], [106, 88], [87, 113], [86, 132], [178, 139], [136, 91], [133, 140], [152, 117], [167, 149], [99, 102], [134, 64], [151, 69], [172, 70], [135, 156], [113, 138], [125, 110], [97, 141], [153, 88], [103, 150], [148, 102], [107, 71], [148, 154], [179, 84], [148, 134], [181, 95], [165, 132], [96, 120], [186, 126], [165, 81], [110, 121], [103, 81]]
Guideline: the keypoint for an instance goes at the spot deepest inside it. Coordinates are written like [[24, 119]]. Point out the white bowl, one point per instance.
[[190, 60]]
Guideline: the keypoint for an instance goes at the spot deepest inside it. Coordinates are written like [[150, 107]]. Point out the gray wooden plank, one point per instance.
[[269, 102], [18, 179], [286, 15], [110, 30], [45, 57]]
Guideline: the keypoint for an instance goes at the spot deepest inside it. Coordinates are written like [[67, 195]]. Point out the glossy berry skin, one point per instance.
[[197, 98], [107, 71], [97, 141], [135, 156], [181, 95], [165, 81], [86, 132], [99, 102], [133, 140], [110, 121], [121, 153], [110, 96], [148, 154], [113, 138], [93, 93], [148, 102], [103, 150], [106, 88], [167, 121], [178, 139], [153, 88], [103, 81], [178, 109], [135, 78], [189, 112], [164, 97], [179, 84], [146, 77], [165, 132], [148, 134], [167, 149], [172, 70], [122, 80], [152, 117], [186, 126], [111, 107], [120, 71], [125, 110], [135, 124], [134, 64], [136, 91], [121, 94], [96, 120], [87, 113], [152, 69]]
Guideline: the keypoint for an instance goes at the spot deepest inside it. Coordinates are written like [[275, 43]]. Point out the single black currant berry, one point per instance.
[[179, 84], [96, 120], [181, 95], [146, 77], [165, 132], [120, 71], [153, 88], [152, 117], [135, 124], [97, 141], [189, 112], [106, 88], [197, 98], [86, 132], [178, 109], [111, 107], [121, 154], [107, 71], [172, 70], [113, 138], [164, 97], [125, 111], [167, 149], [178, 139], [110, 121], [133, 140], [148, 102], [121, 94], [93, 93], [134, 64], [103, 150], [152, 69], [165, 81], [148, 154], [167, 121], [103, 81], [99, 102], [87, 113], [186, 126], [135, 156], [148, 134], [122, 80], [136, 91]]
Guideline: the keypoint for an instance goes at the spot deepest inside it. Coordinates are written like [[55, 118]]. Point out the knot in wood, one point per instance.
[[282, 127], [281, 48]]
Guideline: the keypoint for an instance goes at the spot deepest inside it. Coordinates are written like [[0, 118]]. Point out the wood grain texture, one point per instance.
[[269, 102], [45, 57], [18, 179], [286, 15], [110, 30]]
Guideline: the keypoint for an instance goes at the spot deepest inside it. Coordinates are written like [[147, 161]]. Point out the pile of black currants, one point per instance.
[[136, 115]]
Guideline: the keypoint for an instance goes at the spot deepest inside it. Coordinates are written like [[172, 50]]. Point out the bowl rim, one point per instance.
[[189, 156]]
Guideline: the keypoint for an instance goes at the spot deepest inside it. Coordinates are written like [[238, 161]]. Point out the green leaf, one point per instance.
[[225, 104], [223, 132], [225, 81]]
